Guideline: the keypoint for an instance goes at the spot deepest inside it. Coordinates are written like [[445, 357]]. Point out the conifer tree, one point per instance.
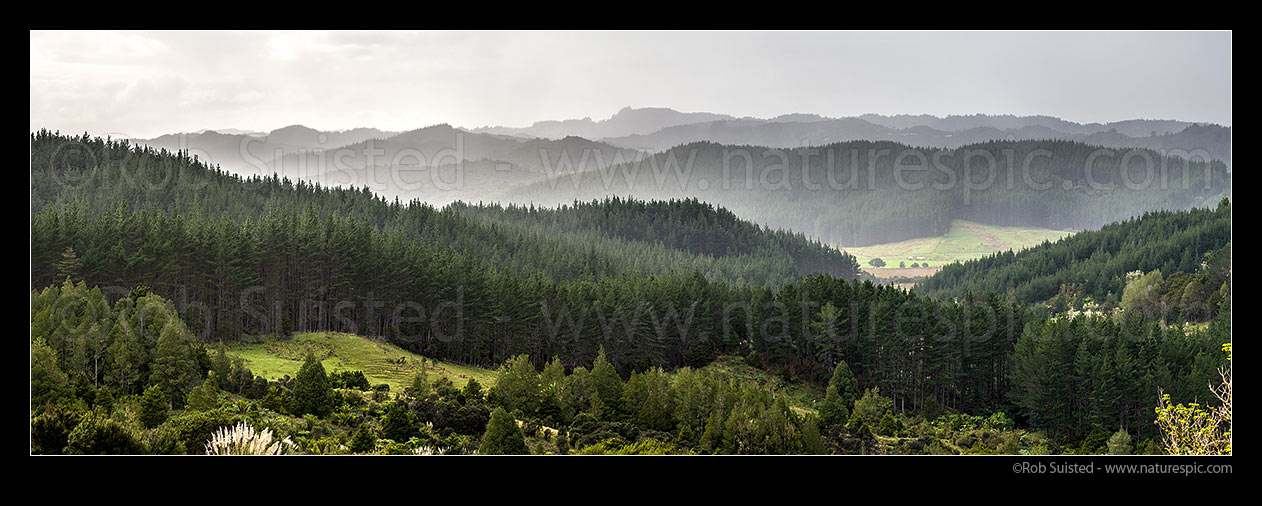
[[420, 382], [204, 397], [171, 369], [312, 391], [363, 440], [153, 407], [503, 436]]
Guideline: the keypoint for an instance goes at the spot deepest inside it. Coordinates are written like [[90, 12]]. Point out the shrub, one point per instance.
[[97, 434], [1094, 443], [889, 426], [194, 428], [350, 379], [50, 431], [363, 440], [1120, 443]]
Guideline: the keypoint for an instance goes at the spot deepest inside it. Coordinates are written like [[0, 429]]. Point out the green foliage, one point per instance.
[[876, 262], [607, 386], [517, 386], [50, 431], [1094, 444], [1151, 447], [503, 436], [172, 369], [363, 441], [472, 390], [1166, 241], [1120, 443], [153, 407], [48, 382], [889, 425], [69, 265], [205, 397], [812, 441], [349, 379], [872, 407], [650, 400], [833, 411], [312, 392], [616, 446], [98, 434], [562, 444], [1010, 446], [420, 383], [399, 423]]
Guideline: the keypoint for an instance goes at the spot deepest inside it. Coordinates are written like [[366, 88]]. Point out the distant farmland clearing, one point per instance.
[[965, 241]]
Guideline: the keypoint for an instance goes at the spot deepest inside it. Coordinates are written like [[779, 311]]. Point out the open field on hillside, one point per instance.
[[965, 241], [381, 362]]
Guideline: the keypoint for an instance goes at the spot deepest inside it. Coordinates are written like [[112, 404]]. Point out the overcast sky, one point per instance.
[[143, 84]]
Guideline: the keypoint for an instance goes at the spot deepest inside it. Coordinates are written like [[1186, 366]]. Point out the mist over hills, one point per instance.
[[858, 193], [250, 153], [658, 129], [541, 165], [1212, 140], [442, 164]]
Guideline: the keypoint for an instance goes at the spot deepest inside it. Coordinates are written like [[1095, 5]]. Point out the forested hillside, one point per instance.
[[255, 259], [859, 193], [132, 193], [1097, 263]]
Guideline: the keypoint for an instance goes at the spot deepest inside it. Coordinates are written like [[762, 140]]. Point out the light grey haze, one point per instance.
[[143, 84]]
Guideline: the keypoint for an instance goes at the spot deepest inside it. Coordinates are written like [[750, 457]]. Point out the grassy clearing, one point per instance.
[[381, 362], [389, 364], [965, 241], [801, 396]]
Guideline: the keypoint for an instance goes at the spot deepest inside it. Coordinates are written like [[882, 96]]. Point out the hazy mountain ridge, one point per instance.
[[851, 193], [955, 123], [422, 163], [1213, 139], [628, 121], [249, 153]]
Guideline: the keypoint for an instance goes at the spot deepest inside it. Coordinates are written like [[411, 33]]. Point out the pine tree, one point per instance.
[[312, 392], [204, 397], [503, 436], [812, 442], [712, 437], [399, 424], [363, 440], [608, 386], [69, 266], [153, 407], [171, 369], [833, 411], [420, 382], [844, 382], [472, 390]]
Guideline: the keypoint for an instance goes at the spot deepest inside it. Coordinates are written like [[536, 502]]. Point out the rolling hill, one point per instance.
[[381, 362], [1097, 261]]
